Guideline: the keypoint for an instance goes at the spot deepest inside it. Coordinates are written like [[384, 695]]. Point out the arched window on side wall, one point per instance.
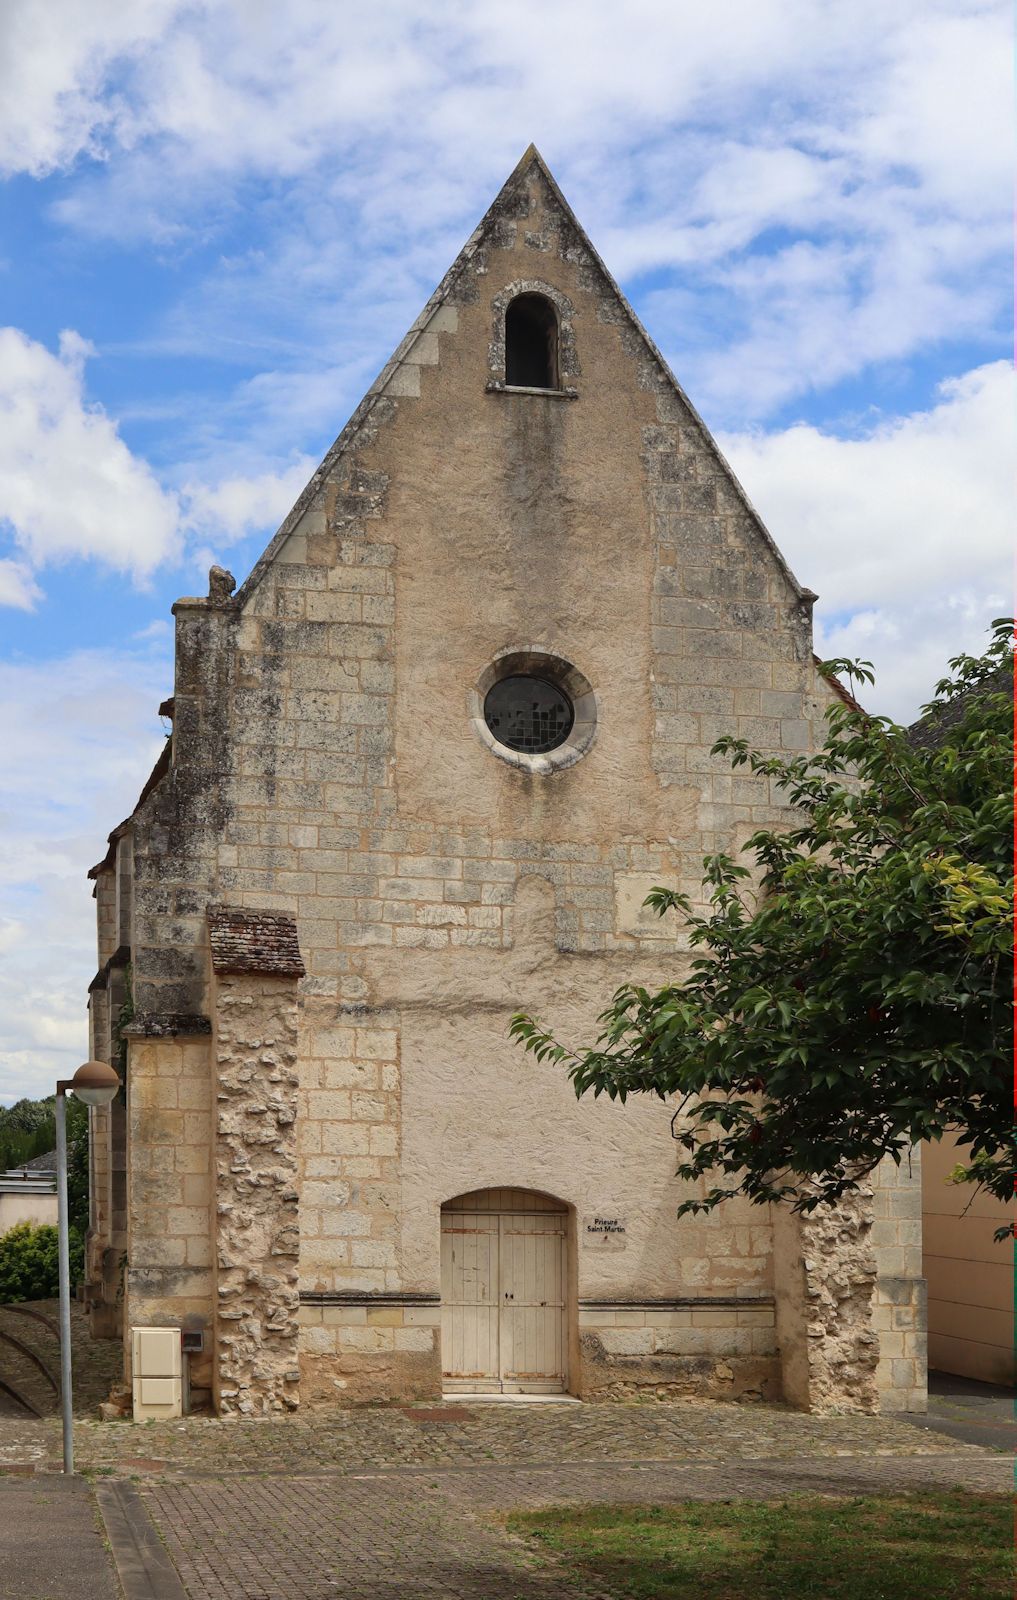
[[531, 343]]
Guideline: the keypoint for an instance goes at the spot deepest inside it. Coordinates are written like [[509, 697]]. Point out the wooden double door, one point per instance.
[[504, 1293]]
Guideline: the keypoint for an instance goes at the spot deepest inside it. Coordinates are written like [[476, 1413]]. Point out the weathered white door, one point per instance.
[[469, 1301], [532, 1285], [503, 1290]]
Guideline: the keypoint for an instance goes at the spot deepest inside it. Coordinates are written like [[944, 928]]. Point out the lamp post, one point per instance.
[[95, 1084]]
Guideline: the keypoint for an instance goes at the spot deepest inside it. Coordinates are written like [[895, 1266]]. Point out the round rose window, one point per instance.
[[528, 714]]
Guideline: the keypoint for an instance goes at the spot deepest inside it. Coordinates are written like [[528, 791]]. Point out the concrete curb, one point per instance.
[[142, 1561]]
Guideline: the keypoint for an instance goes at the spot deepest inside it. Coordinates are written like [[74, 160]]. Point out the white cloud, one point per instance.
[[71, 488], [905, 529], [55, 60], [17, 586], [878, 132], [234, 506], [72, 768], [158, 628]]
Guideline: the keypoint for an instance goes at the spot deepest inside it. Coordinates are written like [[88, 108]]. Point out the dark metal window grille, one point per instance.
[[528, 714]]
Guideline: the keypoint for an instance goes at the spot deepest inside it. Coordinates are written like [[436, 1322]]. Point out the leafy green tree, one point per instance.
[[860, 1001], [28, 1262], [24, 1116], [77, 1164], [28, 1129]]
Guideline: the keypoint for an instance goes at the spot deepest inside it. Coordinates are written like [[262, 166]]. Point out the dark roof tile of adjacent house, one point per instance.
[[47, 1162], [932, 730], [246, 940]]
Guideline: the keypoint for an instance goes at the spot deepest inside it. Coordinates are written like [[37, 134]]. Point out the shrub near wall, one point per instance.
[[28, 1262]]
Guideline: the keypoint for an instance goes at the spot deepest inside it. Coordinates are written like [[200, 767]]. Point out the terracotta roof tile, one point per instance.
[[246, 940]]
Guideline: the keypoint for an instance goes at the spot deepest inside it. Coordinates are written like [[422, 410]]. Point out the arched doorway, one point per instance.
[[504, 1293]]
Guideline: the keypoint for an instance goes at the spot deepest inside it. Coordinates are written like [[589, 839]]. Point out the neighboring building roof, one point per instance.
[[23, 1180], [44, 1163], [933, 730], [246, 940], [836, 685]]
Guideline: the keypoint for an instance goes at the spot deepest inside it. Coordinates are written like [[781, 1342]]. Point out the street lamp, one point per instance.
[[95, 1084]]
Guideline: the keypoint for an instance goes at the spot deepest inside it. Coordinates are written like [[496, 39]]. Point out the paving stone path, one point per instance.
[[397, 1535], [400, 1502], [361, 1538]]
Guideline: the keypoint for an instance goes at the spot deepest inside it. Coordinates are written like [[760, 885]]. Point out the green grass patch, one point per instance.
[[930, 1546]]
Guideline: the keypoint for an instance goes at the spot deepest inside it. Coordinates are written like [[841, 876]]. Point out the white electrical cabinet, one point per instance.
[[157, 1364]]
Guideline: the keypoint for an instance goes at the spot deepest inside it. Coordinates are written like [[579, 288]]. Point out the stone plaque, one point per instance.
[[604, 1232], [632, 917]]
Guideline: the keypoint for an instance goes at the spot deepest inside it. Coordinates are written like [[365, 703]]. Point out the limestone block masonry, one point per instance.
[[341, 881]]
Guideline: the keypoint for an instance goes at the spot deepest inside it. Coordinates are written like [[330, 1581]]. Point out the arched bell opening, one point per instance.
[[531, 343]]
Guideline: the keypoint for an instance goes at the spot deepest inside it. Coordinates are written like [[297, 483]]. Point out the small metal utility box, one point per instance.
[[157, 1364]]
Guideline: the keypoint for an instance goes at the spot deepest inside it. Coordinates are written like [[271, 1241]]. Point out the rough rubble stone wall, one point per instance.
[[825, 1273], [257, 1229]]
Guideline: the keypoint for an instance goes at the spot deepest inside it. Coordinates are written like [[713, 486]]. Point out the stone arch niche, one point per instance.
[[507, 1293]]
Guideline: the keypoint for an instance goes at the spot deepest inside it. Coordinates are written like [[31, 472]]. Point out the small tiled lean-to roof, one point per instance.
[[246, 940]]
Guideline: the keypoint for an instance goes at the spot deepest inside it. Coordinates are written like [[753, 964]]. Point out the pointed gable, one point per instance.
[[462, 514], [399, 379]]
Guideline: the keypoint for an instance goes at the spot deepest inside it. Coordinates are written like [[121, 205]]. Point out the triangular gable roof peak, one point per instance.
[[530, 159]]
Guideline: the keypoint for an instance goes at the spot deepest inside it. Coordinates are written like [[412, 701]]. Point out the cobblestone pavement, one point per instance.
[[405, 1533], [346, 1441], [396, 1535], [398, 1502]]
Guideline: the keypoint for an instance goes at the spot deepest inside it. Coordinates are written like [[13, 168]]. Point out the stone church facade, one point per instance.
[[425, 765]]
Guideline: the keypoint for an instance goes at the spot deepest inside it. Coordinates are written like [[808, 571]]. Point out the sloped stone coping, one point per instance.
[[165, 1025]]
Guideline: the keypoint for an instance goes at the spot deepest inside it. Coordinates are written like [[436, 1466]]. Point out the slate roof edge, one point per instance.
[[155, 777]]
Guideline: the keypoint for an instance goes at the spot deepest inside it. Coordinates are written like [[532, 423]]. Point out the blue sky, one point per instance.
[[217, 218]]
